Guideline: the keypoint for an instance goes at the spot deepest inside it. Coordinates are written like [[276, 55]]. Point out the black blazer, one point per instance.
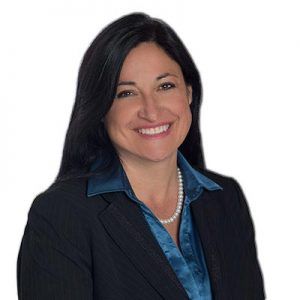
[[76, 247]]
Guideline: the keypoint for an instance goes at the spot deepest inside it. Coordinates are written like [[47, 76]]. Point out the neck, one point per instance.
[[153, 182]]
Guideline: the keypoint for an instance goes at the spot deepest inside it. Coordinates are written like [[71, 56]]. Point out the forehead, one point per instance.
[[148, 59]]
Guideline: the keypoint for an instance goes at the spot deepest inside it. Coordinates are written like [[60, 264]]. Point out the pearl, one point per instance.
[[179, 201]]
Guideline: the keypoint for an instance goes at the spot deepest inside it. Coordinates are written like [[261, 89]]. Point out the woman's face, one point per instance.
[[151, 91]]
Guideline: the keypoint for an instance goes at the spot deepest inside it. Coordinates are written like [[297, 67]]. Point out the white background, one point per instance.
[[247, 53]]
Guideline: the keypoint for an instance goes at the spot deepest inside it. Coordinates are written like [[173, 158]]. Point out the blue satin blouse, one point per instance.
[[189, 264]]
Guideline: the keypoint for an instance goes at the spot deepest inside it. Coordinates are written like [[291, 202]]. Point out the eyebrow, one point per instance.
[[157, 78]]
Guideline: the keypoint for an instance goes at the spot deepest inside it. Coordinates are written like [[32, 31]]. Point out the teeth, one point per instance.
[[156, 130]]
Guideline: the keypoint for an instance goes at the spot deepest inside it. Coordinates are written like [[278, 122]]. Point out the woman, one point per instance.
[[133, 212]]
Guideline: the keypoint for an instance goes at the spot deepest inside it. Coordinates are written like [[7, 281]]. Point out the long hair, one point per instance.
[[86, 137]]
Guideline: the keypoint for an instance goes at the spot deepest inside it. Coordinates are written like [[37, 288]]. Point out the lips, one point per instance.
[[156, 136], [153, 125]]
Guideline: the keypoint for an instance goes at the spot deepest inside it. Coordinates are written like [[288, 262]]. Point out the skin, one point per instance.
[[150, 165]]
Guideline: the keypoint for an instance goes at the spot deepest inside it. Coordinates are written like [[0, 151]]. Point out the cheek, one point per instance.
[[117, 119], [184, 114], [182, 108], [112, 120]]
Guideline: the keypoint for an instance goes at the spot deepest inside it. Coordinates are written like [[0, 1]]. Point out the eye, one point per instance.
[[123, 94], [165, 85], [169, 85]]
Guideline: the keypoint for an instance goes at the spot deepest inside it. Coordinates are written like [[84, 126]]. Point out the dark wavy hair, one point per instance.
[[86, 137]]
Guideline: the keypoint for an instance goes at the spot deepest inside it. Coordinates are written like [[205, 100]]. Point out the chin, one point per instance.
[[156, 155]]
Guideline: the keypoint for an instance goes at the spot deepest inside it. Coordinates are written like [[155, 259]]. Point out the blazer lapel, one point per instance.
[[125, 222], [207, 218]]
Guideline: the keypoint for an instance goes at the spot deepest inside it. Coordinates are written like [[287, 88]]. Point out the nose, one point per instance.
[[149, 108]]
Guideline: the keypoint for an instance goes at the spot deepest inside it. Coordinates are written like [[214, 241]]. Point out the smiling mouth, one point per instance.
[[153, 134]]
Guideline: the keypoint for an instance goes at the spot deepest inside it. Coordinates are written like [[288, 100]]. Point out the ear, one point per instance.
[[190, 93]]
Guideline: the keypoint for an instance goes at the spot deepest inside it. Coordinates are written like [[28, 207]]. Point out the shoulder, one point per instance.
[[231, 186], [59, 222], [228, 183], [59, 196], [64, 208], [232, 197], [68, 196], [233, 201]]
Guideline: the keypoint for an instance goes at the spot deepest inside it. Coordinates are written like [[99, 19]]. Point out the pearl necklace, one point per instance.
[[179, 201]]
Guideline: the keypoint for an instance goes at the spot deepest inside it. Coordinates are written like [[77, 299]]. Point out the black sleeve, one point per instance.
[[251, 278], [49, 266]]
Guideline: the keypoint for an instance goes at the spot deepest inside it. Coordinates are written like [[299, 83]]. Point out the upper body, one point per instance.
[[77, 246], [137, 100], [179, 242]]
